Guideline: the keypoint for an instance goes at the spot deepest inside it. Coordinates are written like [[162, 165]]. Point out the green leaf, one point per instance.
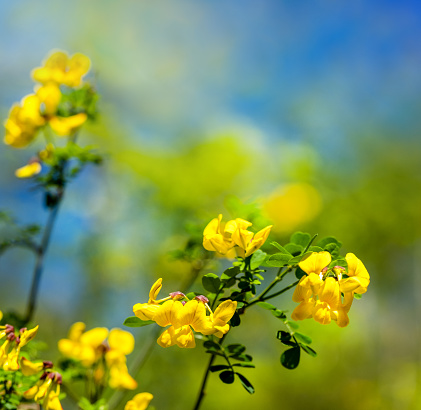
[[266, 305], [227, 376], [235, 320], [278, 260], [301, 238], [211, 282], [244, 365], [209, 344], [299, 273], [246, 384], [242, 357], [292, 324], [134, 321], [302, 338], [333, 249], [297, 259], [308, 350], [291, 358], [231, 272], [283, 336], [192, 295], [315, 249], [357, 295], [236, 348], [218, 367], [329, 239], [280, 314], [294, 249], [257, 259], [279, 247]]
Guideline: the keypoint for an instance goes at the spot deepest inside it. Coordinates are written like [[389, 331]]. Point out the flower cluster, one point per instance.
[[42, 107], [46, 391], [222, 237], [103, 350], [325, 293], [13, 343], [183, 315]]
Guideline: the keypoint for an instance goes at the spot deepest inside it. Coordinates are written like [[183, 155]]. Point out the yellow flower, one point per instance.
[[328, 302], [24, 121], [121, 343], [46, 391], [147, 311], [50, 96], [215, 238], [313, 266], [81, 345], [29, 368], [139, 402], [10, 349], [61, 69], [358, 277], [182, 317], [222, 238], [29, 170], [64, 126]]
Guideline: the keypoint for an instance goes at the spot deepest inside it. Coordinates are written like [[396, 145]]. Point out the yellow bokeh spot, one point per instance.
[[292, 205]]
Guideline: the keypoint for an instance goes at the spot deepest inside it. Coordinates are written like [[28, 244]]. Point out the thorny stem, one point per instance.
[[202, 391]]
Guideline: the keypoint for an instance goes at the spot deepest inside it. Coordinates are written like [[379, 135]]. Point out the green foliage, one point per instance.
[[211, 282], [134, 321], [85, 404], [75, 101]]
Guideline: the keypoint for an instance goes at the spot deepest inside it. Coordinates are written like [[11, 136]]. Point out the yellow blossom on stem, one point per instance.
[[182, 317], [81, 345], [221, 238], [46, 391], [358, 277], [139, 402], [24, 122], [65, 126], [59, 68]]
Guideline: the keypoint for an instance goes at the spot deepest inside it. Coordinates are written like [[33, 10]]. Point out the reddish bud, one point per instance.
[[202, 298]]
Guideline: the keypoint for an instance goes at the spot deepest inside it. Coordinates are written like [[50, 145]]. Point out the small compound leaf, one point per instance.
[[302, 338], [297, 259], [291, 358], [315, 249], [231, 272], [278, 260], [209, 344], [294, 249], [308, 350], [236, 348], [134, 321], [299, 273], [280, 248], [244, 365], [227, 376], [266, 305], [357, 295], [242, 357], [292, 324], [257, 259], [301, 238], [280, 314], [218, 367], [246, 384], [326, 241], [211, 282], [235, 320]]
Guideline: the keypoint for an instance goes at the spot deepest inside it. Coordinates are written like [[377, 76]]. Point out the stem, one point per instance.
[[41, 251], [280, 292], [202, 391]]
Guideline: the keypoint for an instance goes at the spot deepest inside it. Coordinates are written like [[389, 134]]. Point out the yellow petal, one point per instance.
[[139, 402], [29, 368], [167, 314], [212, 227], [321, 313], [94, 337], [258, 240], [357, 269], [64, 126], [121, 379], [29, 170], [27, 336], [301, 293], [50, 96], [167, 338], [121, 341], [156, 287], [304, 310], [329, 293], [315, 262], [76, 330], [225, 311], [184, 337], [146, 311]]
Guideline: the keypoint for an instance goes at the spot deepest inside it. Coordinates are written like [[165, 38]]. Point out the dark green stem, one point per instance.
[[202, 391], [40, 252]]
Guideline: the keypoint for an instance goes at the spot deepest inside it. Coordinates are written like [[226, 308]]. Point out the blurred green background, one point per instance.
[[308, 112]]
